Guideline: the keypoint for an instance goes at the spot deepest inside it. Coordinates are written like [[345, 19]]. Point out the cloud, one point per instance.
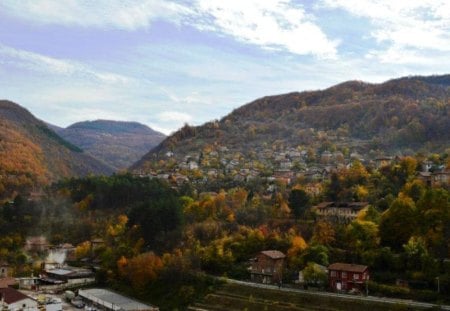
[[272, 24], [409, 28], [123, 14], [49, 65], [174, 116], [277, 25]]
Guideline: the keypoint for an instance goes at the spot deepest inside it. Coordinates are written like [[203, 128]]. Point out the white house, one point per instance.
[[13, 300]]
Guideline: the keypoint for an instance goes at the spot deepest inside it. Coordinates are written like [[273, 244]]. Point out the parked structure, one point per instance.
[[347, 277], [267, 267], [108, 300]]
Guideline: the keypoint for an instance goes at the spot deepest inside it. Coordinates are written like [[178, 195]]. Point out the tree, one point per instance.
[[362, 235], [323, 233], [399, 222], [315, 253], [299, 201], [313, 274], [434, 220]]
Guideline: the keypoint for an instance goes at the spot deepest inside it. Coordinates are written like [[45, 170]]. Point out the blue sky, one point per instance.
[[164, 63]]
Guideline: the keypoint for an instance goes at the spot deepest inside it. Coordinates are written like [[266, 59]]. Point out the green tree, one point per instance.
[[299, 202], [315, 275], [399, 222]]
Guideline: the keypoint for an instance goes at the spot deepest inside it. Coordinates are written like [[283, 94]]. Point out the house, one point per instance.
[[339, 212], [425, 177], [7, 282], [347, 277], [29, 283], [103, 299], [37, 244], [382, 162], [285, 175], [441, 178], [4, 269], [267, 267], [14, 300], [437, 178]]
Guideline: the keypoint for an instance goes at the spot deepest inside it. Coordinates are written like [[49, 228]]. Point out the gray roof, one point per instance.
[[274, 254], [112, 300]]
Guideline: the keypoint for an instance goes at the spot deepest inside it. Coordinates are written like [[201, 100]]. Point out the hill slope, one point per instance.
[[403, 114], [31, 154], [119, 144]]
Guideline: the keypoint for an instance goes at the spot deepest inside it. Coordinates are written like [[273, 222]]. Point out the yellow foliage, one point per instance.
[[83, 249], [142, 269], [298, 245], [361, 192], [118, 228]]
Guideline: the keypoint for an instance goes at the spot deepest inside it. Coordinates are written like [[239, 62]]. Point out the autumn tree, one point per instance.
[[399, 222], [324, 233]]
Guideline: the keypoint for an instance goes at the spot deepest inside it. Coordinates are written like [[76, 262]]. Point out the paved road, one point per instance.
[[344, 296]]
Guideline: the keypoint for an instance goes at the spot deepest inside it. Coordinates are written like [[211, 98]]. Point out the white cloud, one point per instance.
[[410, 28], [123, 14], [274, 24], [174, 116], [45, 64], [271, 24]]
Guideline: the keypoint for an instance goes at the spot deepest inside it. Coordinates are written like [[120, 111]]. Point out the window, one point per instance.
[[333, 273], [356, 276], [344, 274]]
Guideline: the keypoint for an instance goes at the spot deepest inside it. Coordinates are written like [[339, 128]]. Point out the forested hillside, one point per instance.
[[33, 155], [407, 114], [117, 143]]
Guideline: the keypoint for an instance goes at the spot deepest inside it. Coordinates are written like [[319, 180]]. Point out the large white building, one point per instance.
[[112, 301]]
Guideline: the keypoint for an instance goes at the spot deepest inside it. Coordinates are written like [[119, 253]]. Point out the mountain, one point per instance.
[[401, 115], [117, 143], [32, 155]]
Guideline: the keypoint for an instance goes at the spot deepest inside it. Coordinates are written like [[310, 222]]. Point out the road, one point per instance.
[[394, 301]]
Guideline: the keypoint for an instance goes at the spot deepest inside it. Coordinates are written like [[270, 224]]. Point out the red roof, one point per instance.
[[348, 267], [10, 295], [274, 254]]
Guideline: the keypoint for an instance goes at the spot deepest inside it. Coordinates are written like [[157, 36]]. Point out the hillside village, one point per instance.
[[286, 166]]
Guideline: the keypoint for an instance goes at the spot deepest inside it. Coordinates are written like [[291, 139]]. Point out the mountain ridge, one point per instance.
[[117, 143], [32, 154], [399, 114]]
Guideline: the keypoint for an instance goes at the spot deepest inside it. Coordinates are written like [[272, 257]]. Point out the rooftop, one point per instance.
[[11, 295], [274, 254], [113, 300], [347, 267]]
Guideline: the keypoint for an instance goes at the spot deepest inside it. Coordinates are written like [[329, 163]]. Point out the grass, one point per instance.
[[241, 297]]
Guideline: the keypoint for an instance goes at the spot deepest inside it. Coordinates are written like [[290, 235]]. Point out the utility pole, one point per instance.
[[438, 285], [367, 285]]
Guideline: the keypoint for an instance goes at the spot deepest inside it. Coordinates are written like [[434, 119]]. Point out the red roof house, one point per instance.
[[346, 276]]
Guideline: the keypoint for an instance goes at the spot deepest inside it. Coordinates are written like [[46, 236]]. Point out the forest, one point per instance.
[[169, 243]]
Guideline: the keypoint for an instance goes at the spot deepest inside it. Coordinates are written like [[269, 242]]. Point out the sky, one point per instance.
[[167, 63]]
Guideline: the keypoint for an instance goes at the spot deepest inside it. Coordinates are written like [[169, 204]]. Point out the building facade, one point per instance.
[[348, 277], [267, 267]]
